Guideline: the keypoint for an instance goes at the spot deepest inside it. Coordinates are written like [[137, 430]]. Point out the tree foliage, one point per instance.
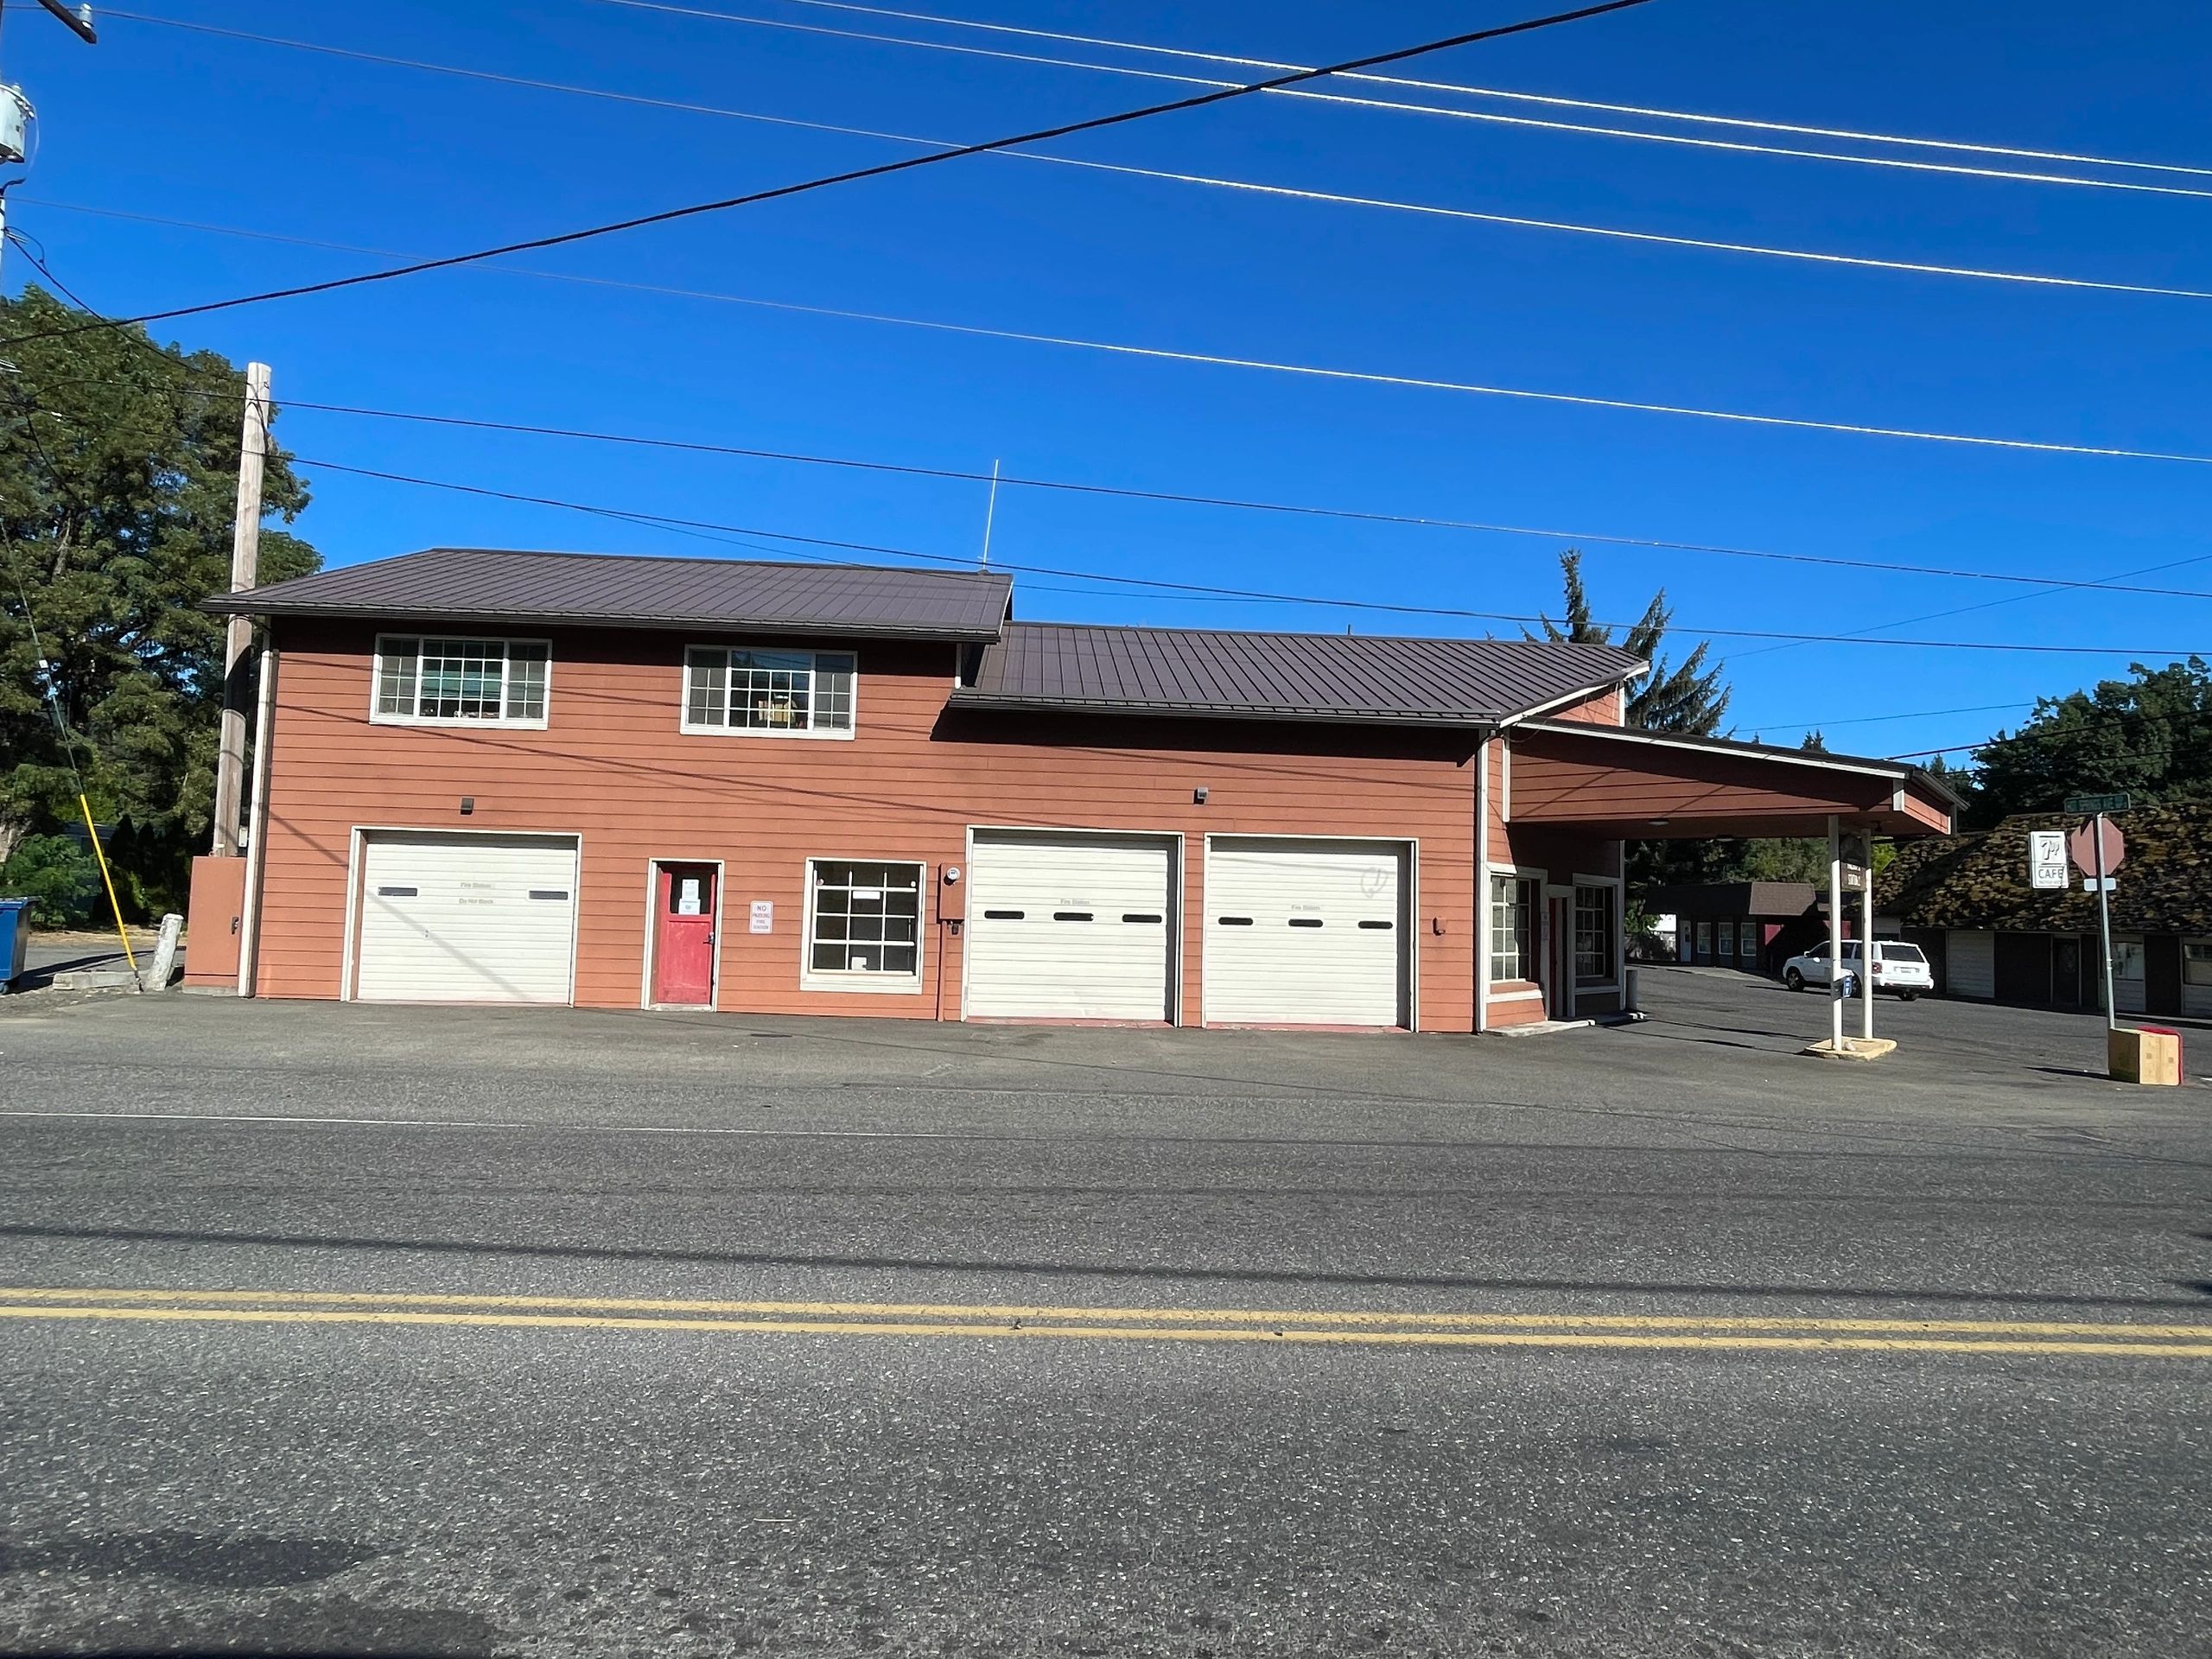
[[2150, 735], [118, 465], [1688, 697]]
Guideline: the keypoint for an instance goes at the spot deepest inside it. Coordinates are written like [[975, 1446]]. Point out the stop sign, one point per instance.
[[2082, 845]]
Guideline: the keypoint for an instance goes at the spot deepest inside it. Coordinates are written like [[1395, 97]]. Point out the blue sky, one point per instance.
[[161, 122]]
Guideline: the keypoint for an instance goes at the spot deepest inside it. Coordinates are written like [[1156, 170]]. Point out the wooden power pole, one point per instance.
[[238, 637]]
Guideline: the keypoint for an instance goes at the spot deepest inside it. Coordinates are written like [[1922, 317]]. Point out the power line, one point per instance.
[[1285, 191], [1461, 89], [1175, 498], [1164, 586], [1488, 116], [884, 169]]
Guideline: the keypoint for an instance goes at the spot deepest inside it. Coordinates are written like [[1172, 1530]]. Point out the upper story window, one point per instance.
[[773, 693], [438, 680]]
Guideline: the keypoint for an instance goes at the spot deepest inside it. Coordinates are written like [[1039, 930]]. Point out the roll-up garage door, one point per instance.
[[1306, 932], [1070, 927], [466, 919]]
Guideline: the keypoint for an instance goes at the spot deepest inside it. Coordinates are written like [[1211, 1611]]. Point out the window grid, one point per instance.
[[749, 689], [430, 677], [1593, 935], [866, 920], [1512, 929]]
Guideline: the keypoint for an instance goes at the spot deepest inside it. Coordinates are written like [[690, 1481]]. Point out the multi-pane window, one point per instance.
[[1747, 940], [796, 693], [1727, 938], [1593, 935], [864, 919], [2197, 961], [1705, 940], [1512, 928], [434, 677]]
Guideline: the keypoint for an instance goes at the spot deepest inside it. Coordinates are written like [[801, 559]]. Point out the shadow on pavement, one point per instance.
[[1099, 1270]]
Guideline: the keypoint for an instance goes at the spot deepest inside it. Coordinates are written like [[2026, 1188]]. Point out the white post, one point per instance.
[[238, 637], [1835, 934], [1866, 945], [1484, 940]]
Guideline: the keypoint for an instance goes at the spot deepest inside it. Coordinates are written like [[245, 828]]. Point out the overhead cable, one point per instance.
[[1457, 88], [1282, 192], [884, 169], [1164, 586]]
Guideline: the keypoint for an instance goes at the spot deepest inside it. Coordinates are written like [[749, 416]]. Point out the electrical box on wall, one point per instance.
[[14, 126]]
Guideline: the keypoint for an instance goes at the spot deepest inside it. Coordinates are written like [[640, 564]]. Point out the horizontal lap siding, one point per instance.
[[1564, 780], [613, 768]]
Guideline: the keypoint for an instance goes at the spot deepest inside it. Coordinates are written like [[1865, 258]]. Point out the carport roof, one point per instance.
[[1316, 677], [496, 587]]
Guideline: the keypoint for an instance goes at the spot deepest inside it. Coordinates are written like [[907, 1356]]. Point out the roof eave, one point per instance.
[[251, 604], [1008, 704]]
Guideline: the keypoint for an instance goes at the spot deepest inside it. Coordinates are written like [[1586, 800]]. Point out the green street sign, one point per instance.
[[2088, 803]]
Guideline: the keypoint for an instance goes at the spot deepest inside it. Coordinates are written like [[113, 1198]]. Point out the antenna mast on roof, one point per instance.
[[991, 511]]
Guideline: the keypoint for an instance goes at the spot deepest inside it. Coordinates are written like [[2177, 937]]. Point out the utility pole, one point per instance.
[[238, 636]]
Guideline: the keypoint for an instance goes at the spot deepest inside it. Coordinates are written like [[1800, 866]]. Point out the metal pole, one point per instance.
[[257, 856], [1835, 934], [238, 637], [990, 512], [2104, 921]]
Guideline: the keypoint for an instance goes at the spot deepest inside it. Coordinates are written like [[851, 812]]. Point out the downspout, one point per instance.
[[1482, 885], [264, 718]]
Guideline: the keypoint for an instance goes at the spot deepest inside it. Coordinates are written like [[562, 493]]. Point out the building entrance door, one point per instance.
[[684, 936]]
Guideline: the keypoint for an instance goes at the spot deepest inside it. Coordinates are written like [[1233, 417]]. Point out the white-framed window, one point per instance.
[[2197, 961], [1727, 938], [430, 679], [1516, 903], [2127, 957], [756, 691], [863, 925], [1747, 939], [1705, 939], [1596, 932]]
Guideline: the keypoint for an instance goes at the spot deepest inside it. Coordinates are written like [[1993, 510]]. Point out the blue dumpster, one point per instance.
[[15, 939]]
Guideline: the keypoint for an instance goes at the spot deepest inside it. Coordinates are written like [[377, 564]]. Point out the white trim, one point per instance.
[[1619, 685], [1482, 885], [1717, 746], [502, 721], [1518, 873], [1408, 902], [1516, 996], [1505, 779], [813, 979], [256, 848], [1178, 877], [1578, 882], [653, 865], [810, 734], [355, 859]]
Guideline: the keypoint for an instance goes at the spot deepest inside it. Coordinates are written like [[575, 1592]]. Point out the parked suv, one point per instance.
[[1898, 967]]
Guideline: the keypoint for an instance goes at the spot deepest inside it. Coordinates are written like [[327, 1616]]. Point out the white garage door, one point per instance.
[[467, 918], [1069, 927], [1306, 933]]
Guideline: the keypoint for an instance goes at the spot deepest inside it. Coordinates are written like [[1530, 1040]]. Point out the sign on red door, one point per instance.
[[684, 935]]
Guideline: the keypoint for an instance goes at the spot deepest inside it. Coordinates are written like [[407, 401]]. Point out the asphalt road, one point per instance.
[[417, 1332]]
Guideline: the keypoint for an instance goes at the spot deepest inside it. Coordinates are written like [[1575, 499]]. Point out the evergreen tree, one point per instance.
[[118, 467], [2150, 735], [1689, 697]]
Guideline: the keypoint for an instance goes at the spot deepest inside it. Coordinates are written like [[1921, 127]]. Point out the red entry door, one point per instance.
[[684, 939]]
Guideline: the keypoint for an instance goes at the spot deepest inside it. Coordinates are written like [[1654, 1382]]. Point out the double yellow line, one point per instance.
[[1020, 1321]]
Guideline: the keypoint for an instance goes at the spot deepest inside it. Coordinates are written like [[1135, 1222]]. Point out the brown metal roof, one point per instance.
[[1327, 676], [483, 586]]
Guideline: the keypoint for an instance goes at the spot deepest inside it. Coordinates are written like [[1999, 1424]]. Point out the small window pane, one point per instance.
[[396, 677], [2196, 963], [1593, 935], [706, 687], [526, 681], [832, 691]]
